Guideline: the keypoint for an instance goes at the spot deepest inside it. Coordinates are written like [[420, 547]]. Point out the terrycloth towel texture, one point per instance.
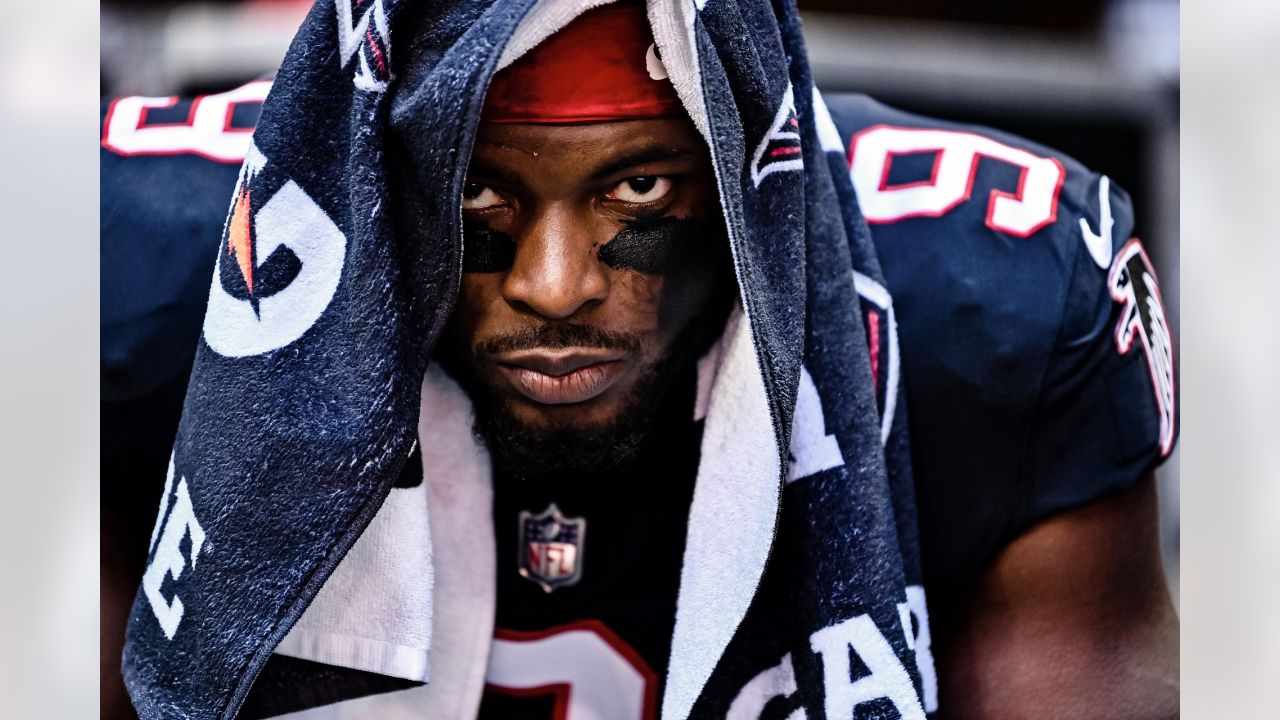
[[329, 294], [386, 625]]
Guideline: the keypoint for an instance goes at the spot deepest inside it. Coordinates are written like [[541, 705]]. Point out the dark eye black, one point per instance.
[[642, 185], [471, 190]]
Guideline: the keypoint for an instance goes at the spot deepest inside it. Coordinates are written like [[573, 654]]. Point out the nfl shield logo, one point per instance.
[[551, 548]]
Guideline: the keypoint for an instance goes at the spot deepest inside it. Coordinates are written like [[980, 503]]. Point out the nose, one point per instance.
[[556, 272]]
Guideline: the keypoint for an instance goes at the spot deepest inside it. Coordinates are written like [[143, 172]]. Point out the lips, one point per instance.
[[561, 377]]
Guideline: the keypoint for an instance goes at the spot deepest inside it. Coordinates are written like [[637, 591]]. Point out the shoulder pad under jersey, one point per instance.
[[168, 167], [1036, 355]]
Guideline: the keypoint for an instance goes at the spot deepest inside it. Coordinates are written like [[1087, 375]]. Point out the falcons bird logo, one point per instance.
[[1132, 282], [779, 149]]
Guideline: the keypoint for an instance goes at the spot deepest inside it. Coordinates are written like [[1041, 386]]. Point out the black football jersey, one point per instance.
[[1036, 355], [603, 641]]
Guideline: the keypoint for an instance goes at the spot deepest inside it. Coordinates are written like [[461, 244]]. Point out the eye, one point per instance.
[[477, 196], [643, 189]]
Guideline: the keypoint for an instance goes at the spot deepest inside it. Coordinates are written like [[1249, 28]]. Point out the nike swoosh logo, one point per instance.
[[1099, 244]]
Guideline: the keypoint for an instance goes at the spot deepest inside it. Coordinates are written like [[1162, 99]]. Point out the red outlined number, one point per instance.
[[206, 132], [590, 671], [1021, 213]]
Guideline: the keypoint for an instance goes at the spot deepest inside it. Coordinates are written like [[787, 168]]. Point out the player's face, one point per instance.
[[588, 251]]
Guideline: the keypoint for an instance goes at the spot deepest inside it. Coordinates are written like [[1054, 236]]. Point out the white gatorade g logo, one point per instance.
[[277, 270]]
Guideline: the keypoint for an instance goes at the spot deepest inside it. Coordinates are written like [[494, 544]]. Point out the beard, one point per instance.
[[566, 450], [558, 449]]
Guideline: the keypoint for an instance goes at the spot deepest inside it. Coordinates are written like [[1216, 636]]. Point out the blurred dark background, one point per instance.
[[1097, 79]]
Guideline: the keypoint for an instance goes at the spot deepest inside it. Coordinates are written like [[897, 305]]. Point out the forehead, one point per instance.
[[587, 150]]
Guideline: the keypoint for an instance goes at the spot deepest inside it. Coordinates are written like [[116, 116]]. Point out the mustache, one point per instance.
[[559, 335]]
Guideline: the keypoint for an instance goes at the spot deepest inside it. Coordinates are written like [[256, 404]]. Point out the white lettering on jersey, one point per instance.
[[1031, 207], [168, 559], [887, 679], [777, 681], [591, 672], [812, 449], [207, 131], [1099, 243], [920, 640]]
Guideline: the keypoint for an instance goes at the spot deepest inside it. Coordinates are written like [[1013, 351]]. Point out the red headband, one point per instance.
[[595, 69]]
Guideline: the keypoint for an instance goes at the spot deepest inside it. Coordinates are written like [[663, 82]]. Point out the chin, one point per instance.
[[532, 439], [551, 441], [592, 415]]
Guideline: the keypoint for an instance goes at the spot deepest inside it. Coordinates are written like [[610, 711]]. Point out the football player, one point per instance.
[[1020, 320]]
